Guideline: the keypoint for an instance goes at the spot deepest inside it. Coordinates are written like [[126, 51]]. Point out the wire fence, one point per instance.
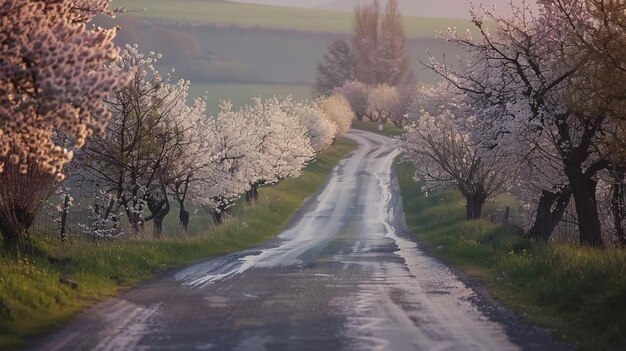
[[79, 222], [508, 216], [48, 222], [565, 231]]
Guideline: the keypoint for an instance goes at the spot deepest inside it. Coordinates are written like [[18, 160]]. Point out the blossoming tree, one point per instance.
[[337, 109], [53, 77], [147, 142], [444, 155], [527, 82]]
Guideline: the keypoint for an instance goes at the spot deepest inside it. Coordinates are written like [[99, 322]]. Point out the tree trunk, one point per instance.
[[134, 214], [547, 218], [221, 211], [589, 227], [399, 122], [252, 195], [183, 214], [10, 234], [618, 208], [183, 217], [618, 202], [15, 230], [136, 221], [218, 216], [474, 206], [225, 210], [373, 117], [158, 223], [158, 209]]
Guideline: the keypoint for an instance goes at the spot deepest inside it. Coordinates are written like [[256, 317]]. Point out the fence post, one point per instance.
[[507, 213], [62, 225]]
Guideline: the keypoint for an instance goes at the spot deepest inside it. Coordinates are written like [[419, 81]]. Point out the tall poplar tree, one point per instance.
[[365, 41], [393, 62], [379, 43]]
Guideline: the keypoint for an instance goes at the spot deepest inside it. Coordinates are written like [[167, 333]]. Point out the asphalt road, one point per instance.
[[345, 276]]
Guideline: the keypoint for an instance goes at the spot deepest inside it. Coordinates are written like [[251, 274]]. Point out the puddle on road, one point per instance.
[[127, 325]]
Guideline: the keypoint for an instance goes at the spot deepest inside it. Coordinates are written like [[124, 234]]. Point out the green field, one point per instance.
[[209, 53], [33, 299], [249, 15], [241, 93], [275, 57]]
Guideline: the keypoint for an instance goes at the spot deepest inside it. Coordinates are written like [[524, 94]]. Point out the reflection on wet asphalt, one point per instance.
[[345, 276]]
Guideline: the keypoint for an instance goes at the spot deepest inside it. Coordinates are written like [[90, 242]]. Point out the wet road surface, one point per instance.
[[344, 276]]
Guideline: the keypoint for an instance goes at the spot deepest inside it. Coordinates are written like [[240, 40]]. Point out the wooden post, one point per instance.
[[507, 212], [66, 205]]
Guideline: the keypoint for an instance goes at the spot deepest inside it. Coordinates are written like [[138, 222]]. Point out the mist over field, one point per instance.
[[247, 59], [208, 53], [425, 8]]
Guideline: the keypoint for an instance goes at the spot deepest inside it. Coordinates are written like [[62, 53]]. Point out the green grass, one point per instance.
[[241, 93], [251, 15], [578, 292], [32, 299], [389, 129]]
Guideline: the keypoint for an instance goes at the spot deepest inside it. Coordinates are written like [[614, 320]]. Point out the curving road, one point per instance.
[[345, 276]]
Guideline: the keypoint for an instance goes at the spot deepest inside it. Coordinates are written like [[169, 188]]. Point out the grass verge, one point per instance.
[[33, 299], [578, 292]]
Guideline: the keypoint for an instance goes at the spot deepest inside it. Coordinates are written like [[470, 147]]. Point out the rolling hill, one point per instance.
[[236, 51], [268, 17], [429, 8], [420, 8]]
